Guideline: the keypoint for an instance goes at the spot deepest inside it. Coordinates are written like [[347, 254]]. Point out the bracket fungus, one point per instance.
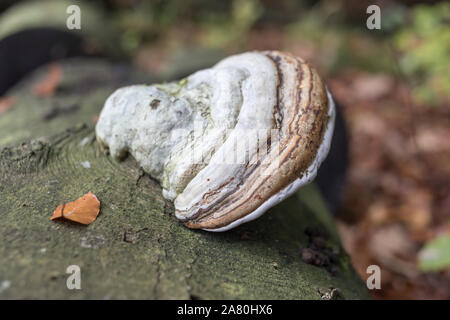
[[229, 142]]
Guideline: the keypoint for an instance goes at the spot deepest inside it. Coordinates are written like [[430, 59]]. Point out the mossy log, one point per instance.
[[136, 248]]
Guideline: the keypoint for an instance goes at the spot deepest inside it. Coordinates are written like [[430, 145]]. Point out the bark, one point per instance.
[[137, 248]]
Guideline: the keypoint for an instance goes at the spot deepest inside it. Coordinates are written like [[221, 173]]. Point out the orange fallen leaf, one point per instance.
[[83, 210], [6, 103], [47, 87]]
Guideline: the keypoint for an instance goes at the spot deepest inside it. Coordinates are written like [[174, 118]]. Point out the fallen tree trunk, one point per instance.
[[137, 248]]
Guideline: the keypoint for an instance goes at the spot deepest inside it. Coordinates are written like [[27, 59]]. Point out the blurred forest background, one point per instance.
[[393, 85]]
